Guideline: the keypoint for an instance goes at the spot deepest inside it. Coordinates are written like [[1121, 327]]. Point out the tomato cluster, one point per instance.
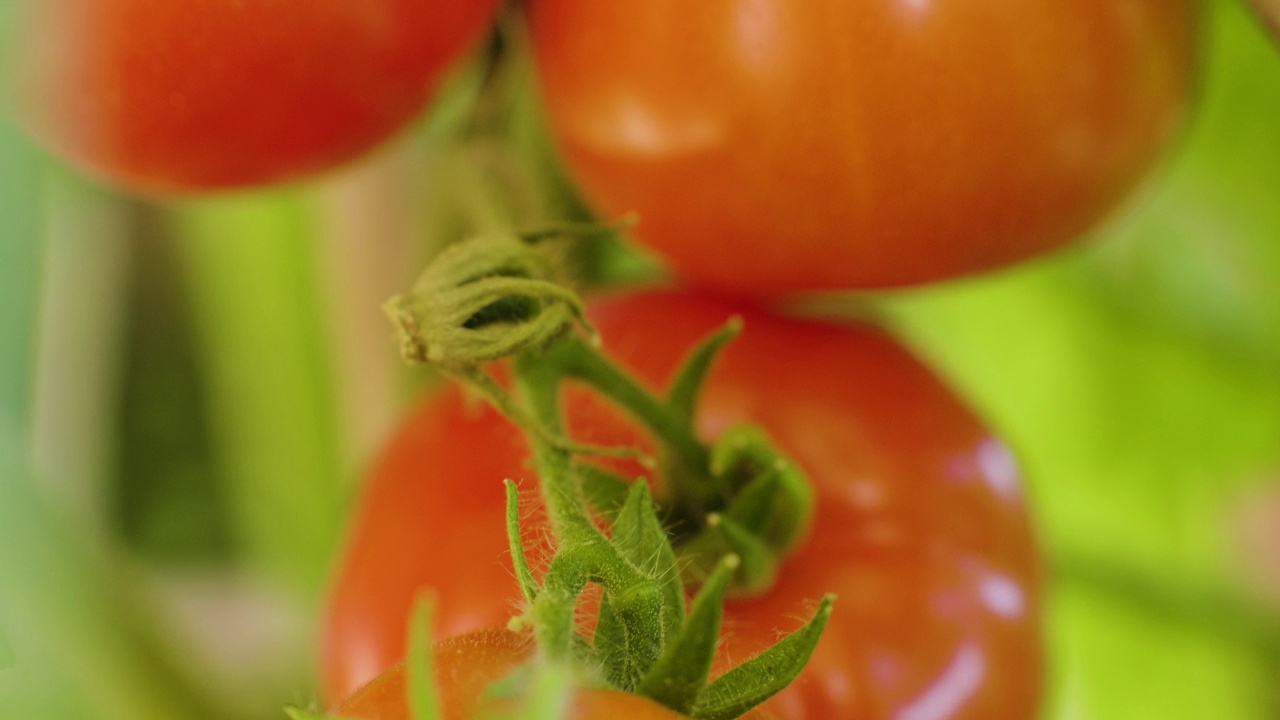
[[921, 528], [770, 147]]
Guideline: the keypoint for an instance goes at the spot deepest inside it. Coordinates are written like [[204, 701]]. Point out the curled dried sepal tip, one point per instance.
[[482, 300]]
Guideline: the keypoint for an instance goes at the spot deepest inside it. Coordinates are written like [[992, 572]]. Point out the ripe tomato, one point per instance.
[[774, 145], [921, 527], [468, 664], [201, 94]]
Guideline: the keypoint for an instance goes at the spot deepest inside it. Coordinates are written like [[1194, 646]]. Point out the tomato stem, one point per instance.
[[538, 385], [583, 361], [586, 554]]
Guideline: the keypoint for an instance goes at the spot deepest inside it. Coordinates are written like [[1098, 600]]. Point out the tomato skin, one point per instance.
[[775, 146], [164, 97], [466, 665], [920, 529]]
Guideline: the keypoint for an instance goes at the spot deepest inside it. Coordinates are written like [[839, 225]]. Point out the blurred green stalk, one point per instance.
[[19, 268], [251, 265]]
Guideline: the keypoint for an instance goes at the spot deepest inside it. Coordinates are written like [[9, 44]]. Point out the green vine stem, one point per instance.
[[583, 361], [586, 555]]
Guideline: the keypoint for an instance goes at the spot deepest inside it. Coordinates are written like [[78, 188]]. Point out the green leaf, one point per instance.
[[683, 395], [528, 585], [758, 679], [6, 653], [681, 672]]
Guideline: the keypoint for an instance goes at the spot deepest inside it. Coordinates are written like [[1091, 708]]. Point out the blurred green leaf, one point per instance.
[[84, 643], [19, 264], [1200, 251], [1115, 660], [169, 490], [1120, 425], [250, 262]]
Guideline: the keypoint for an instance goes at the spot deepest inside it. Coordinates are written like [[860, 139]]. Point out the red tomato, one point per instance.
[[921, 527], [172, 95], [776, 145], [466, 665]]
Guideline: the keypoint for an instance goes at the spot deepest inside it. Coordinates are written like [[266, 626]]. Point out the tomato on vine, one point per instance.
[[920, 525], [780, 146], [210, 94]]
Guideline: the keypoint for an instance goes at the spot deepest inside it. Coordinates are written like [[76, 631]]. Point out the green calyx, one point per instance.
[[770, 504], [732, 510]]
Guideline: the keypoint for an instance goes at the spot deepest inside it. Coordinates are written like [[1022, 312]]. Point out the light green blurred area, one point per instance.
[[1139, 378], [188, 390]]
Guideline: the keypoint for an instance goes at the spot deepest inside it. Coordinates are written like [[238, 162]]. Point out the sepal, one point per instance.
[[760, 678]]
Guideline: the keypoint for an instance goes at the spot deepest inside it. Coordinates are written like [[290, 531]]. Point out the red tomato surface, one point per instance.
[[468, 664], [921, 527], [172, 95], [776, 145]]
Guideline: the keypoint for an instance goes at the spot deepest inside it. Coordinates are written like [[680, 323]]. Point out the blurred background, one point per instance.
[[190, 389]]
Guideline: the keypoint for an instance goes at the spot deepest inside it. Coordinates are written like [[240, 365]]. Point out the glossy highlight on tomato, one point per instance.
[[921, 527], [167, 96], [772, 146], [467, 665]]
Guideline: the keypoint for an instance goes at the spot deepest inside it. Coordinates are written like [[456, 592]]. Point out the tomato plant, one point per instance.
[[920, 525], [776, 146], [202, 94], [466, 665]]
